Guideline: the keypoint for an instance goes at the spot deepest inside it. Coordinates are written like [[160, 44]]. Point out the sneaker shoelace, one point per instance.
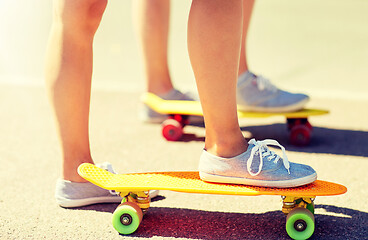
[[265, 84], [260, 147]]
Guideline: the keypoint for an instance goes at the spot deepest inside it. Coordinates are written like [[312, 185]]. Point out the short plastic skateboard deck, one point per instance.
[[178, 112], [298, 202]]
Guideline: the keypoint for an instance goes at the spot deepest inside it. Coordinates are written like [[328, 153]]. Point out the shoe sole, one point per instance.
[[261, 183], [291, 108], [158, 120], [72, 203]]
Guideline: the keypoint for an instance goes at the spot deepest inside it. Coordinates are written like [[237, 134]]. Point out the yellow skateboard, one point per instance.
[[298, 202], [178, 112]]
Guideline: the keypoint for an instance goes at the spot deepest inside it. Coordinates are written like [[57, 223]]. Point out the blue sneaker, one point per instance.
[[255, 93], [258, 166], [148, 115]]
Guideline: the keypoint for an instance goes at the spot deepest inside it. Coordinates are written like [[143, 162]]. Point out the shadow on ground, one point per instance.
[[333, 223], [324, 140]]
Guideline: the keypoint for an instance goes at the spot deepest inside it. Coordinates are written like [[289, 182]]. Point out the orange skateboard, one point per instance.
[[178, 112], [298, 202]]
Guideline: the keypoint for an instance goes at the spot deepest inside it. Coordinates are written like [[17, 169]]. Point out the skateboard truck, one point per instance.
[[299, 211], [140, 198], [289, 203], [129, 214]]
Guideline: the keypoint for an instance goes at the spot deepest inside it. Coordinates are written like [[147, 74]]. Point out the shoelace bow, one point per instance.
[[264, 152], [264, 83]]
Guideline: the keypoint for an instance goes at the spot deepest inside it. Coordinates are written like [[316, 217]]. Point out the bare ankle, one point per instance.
[[226, 146], [70, 169], [160, 86]]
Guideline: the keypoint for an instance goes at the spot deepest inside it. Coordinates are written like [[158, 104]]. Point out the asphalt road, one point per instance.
[[312, 46]]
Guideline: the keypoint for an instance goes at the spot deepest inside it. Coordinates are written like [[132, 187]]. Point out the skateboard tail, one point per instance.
[[95, 175]]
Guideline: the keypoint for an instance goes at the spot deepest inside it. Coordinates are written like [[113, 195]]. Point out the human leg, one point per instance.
[[256, 93], [68, 77], [151, 19], [152, 27], [214, 38], [247, 14]]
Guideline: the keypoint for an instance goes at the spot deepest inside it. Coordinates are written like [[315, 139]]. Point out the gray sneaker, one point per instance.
[[258, 166], [148, 115], [256, 93], [75, 194]]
